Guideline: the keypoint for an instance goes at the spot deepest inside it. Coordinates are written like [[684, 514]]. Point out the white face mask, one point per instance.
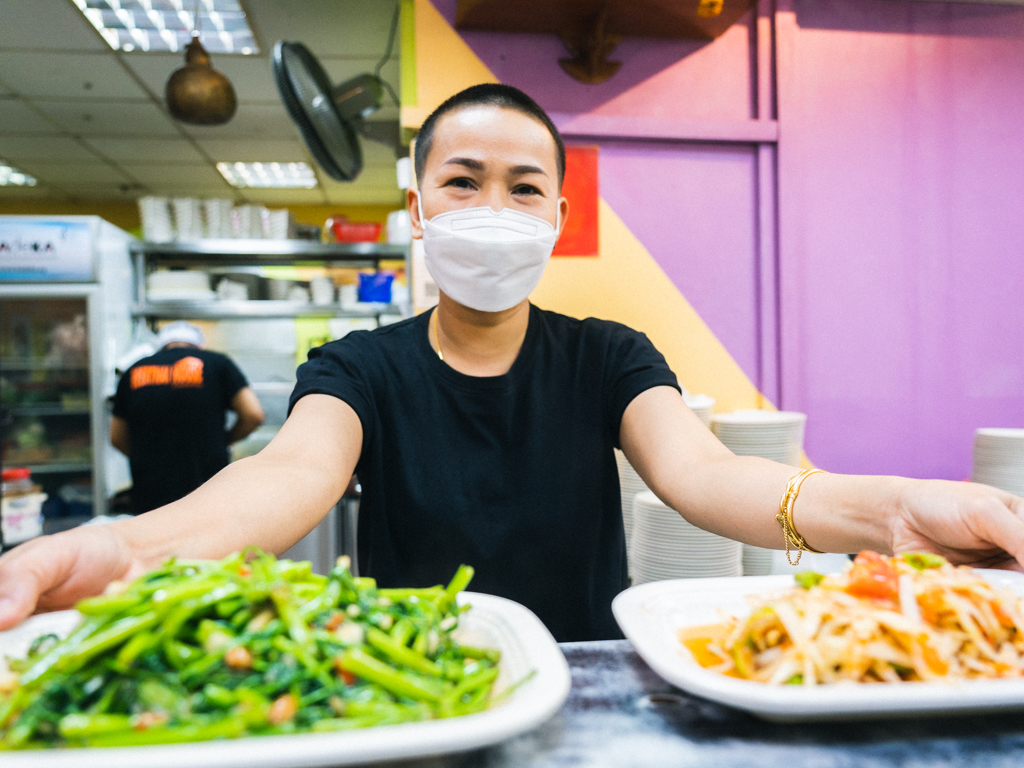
[[487, 260]]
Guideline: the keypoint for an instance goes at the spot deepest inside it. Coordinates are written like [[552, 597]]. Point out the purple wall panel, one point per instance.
[[901, 188], [659, 78], [693, 207]]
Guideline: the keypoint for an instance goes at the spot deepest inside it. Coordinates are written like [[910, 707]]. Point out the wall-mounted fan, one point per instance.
[[331, 118]]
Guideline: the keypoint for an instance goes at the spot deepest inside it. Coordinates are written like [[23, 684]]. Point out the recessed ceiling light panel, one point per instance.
[[12, 177], [166, 25], [273, 175]]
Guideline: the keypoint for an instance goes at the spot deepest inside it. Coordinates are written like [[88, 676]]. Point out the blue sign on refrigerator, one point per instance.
[[34, 250]]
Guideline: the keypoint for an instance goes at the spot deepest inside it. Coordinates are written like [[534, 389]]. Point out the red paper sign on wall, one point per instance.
[[579, 235]]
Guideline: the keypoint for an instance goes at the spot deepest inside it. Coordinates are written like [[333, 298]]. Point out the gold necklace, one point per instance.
[[437, 339]]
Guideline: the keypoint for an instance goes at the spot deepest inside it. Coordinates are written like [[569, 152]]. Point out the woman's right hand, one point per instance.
[[54, 572]]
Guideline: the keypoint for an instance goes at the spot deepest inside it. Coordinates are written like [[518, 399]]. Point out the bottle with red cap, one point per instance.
[[16, 481]]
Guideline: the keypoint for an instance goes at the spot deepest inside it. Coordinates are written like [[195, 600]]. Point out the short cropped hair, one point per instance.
[[491, 94]]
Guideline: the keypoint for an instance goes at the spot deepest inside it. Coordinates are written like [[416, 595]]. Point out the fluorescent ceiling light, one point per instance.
[[277, 175], [166, 25], [12, 177]]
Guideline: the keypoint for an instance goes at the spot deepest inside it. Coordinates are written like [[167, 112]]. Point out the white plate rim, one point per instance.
[[639, 613], [530, 704]]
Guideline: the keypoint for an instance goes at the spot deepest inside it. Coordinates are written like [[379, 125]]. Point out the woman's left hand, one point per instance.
[[967, 523]]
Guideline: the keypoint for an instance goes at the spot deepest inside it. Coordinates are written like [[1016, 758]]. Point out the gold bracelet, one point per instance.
[[785, 517]]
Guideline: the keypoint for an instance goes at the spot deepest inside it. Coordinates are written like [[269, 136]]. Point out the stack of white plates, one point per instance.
[[155, 213], [178, 285], [630, 485], [757, 561], [700, 405], [665, 546], [999, 459], [775, 435]]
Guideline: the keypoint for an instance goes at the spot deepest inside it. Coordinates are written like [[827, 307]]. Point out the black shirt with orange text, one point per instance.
[[175, 403]]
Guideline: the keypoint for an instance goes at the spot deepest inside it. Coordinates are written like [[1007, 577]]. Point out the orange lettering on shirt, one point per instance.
[[188, 372], [149, 375]]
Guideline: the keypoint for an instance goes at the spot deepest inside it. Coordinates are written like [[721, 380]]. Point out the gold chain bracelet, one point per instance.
[[785, 517]]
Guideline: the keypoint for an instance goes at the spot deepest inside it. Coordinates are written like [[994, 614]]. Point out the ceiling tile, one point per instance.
[[279, 197], [279, 150], [63, 75], [74, 174], [44, 147], [156, 175], [250, 75], [17, 117], [327, 27], [110, 118], [251, 121], [151, 151], [65, 27]]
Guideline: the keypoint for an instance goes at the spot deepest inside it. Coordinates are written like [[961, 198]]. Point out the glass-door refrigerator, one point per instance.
[[65, 304]]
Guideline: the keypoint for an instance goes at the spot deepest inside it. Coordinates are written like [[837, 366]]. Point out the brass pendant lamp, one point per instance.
[[197, 93]]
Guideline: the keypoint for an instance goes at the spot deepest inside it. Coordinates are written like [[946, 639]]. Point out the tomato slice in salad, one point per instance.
[[872, 576]]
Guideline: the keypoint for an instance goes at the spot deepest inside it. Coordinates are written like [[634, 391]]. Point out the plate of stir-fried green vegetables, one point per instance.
[[191, 662]]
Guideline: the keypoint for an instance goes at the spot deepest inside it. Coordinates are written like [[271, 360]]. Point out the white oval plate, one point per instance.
[[495, 622], [651, 616]]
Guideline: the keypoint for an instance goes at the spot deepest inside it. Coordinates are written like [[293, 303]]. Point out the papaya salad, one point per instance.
[[913, 617]]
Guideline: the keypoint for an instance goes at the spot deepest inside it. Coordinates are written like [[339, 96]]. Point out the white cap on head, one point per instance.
[[180, 331]]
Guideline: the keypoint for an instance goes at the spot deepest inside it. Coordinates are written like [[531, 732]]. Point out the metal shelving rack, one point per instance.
[[233, 255]]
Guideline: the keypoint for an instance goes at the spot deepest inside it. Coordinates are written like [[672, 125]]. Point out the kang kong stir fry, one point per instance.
[[905, 618], [248, 645]]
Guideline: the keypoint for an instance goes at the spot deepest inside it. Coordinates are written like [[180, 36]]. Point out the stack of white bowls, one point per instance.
[[218, 217], [700, 405], [999, 459], [775, 435], [155, 213], [630, 484], [188, 219], [665, 546]]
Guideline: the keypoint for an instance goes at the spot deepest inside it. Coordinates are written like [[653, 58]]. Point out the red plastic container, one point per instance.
[[346, 231]]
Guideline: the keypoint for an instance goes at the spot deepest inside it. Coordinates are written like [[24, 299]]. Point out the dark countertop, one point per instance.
[[621, 714]]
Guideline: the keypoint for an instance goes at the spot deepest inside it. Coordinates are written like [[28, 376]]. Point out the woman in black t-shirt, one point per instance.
[[504, 389]]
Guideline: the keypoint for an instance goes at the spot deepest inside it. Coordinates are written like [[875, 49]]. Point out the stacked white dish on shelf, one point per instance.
[[999, 459], [178, 285], [156, 219], [187, 219], [665, 546]]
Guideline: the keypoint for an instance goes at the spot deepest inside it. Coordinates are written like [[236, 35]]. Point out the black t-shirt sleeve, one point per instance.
[[121, 396], [339, 368], [633, 366], [233, 378]]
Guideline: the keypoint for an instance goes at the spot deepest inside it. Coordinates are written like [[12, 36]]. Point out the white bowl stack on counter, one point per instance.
[[630, 483], [999, 459], [665, 546], [775, 435]]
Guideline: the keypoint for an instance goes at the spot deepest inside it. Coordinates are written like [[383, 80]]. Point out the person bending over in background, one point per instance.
[[483, 431], [169, 416]]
